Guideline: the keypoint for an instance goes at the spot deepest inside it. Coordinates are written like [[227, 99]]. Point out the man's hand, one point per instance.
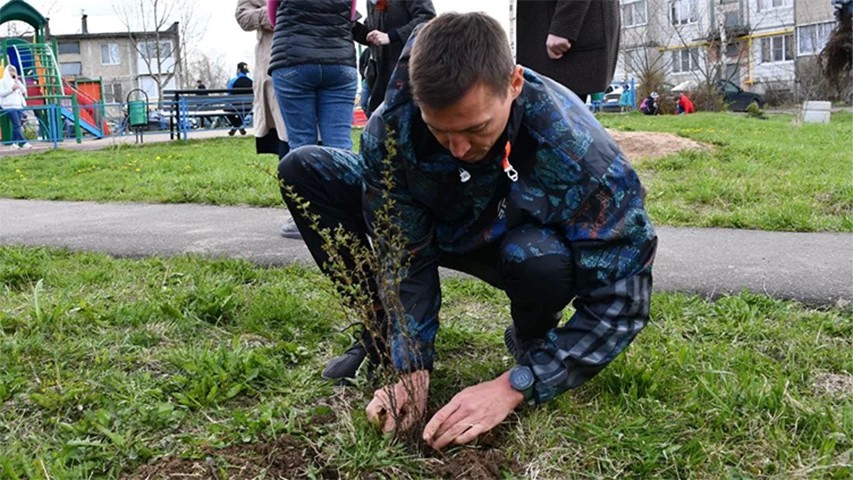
[[472, 412], [402, 405], [378, 38], [557, 46]]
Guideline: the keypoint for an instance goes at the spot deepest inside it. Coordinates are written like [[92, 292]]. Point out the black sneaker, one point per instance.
[[242, 131], [520, 346], [232, 132], [345, 366], [290, 230]]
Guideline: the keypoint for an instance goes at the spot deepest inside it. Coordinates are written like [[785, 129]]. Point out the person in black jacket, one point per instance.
[[574, 42], [388, 26], [313, 69]]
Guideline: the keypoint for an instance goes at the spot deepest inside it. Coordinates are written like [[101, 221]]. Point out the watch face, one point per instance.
[[521, 377]]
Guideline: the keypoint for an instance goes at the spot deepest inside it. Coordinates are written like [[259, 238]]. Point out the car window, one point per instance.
[[731, 87]]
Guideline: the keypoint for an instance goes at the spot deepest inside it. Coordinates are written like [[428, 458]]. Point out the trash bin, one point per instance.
[[137, 110]]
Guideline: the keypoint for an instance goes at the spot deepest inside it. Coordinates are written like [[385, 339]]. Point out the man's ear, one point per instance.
[[516, 82]]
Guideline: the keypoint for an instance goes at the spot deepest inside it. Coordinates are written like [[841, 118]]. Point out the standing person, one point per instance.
[[270, 132], [314, 69], [501, 173], [241, 80], [13, 99], [387, 29], [199, 85], [364, 87], [574, 42]]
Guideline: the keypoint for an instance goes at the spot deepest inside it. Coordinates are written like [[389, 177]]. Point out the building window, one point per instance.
[[148, 50], [113, 93], [682, 12], [777, 49], [634, 13], [109, 54], [70, 69], [685, 60], [812, 38], [69, 48], [770, 4]]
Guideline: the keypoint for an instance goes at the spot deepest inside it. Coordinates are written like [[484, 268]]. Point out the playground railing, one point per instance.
[[40, 124]]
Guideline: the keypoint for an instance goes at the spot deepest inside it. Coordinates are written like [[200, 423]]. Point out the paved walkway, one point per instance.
[[814, 268]]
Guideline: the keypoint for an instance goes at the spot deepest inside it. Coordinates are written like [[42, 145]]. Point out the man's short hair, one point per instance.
[[454, 52]]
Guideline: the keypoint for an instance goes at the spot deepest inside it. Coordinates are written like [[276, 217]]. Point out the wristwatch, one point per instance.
[[521, 379]]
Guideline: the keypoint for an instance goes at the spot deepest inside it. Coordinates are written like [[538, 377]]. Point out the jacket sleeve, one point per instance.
[[568, 18], [410, 265], [359, 33], [612, 243], [420, 11], [272, 8], [251, 16], [606, 320]]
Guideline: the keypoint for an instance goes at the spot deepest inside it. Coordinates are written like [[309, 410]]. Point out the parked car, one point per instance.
[[612, 95], [735, 97], [738, 99]]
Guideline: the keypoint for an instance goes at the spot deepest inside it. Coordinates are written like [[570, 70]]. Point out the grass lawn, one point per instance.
[[762, 174], [112, 367]]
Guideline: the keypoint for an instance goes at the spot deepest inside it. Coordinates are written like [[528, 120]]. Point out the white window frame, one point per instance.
[[679, 9], [784, 38], [65, 65], [818, 42], [147, 53], [766, 5], [633, 5], [678, 57], [114, 53]]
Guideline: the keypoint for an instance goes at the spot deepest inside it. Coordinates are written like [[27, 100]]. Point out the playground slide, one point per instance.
[[87, 117]]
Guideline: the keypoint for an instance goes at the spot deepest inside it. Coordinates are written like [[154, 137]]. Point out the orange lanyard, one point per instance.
[[508, 169]]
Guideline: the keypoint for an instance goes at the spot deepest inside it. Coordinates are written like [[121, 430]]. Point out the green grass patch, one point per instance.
[[762, 174], [108, 366]]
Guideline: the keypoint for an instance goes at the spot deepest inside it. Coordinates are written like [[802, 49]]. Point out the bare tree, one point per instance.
[[151, 25], [211, 71]]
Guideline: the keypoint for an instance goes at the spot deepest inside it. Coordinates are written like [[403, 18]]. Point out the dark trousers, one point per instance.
[[532, 264]]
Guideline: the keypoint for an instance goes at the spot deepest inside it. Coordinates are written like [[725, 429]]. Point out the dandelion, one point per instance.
[[157, 157], [138, 169]]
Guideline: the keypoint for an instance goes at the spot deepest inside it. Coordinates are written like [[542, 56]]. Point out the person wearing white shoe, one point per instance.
[[13, 100]]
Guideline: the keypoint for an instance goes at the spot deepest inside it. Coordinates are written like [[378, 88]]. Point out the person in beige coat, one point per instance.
[[270, 134]]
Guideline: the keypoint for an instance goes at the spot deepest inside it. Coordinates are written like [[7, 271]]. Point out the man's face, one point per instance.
[[469, 128]]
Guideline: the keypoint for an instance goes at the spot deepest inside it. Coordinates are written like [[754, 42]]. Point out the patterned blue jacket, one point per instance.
[[572, 178]]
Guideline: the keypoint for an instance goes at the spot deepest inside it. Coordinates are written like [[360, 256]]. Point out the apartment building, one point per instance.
[[123, 60], [761, 45]]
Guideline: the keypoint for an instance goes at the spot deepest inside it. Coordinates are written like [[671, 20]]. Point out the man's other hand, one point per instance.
[[472, 412], [402, 405], [557, 46], [378, 38]]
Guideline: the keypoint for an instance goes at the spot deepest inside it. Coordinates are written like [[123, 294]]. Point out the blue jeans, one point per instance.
[[317, 96], [15, 118]]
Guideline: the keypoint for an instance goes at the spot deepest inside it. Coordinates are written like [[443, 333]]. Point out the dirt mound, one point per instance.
[[476, 464], [640, 146], [286, 458]]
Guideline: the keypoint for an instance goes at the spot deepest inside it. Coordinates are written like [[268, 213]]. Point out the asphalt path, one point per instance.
[[813, 268]]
